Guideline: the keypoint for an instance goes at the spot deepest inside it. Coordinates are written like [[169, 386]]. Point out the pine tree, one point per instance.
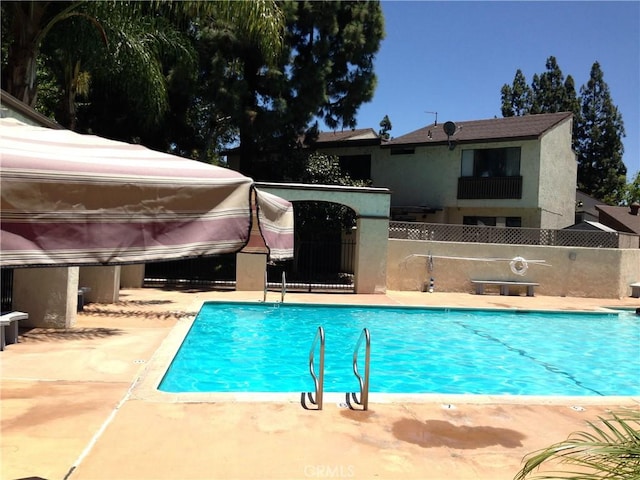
[[385, 128], [516, 99], [601, 171], [326, 72], [549, 90], [597, 125]]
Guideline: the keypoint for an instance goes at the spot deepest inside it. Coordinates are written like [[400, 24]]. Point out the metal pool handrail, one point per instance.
[[364, 384], [318, 380], [264, 299], [266, 287], [284, 287]]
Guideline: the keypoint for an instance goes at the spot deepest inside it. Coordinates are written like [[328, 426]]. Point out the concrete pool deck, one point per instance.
[[75, 404]]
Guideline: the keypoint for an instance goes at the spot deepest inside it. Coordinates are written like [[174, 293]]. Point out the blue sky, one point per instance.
[[453, 57]]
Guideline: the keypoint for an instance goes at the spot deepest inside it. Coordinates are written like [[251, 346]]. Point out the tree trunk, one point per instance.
[[21, 60], [248, 147]]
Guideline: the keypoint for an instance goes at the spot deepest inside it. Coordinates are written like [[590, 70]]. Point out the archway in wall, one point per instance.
[[371, 207], [324, 249]]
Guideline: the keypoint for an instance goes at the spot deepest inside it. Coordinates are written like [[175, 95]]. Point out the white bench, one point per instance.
[[504, 286], [9, 327], [635, 290]]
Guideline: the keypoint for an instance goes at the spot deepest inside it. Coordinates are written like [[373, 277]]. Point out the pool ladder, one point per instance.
[[283, 290], [318, 380], [364, 383], [316, 397]]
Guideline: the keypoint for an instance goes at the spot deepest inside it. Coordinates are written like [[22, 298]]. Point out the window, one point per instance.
[[403, 151], [482, 221], [357, 166], [492, 221], [491, 162], [513, 222]]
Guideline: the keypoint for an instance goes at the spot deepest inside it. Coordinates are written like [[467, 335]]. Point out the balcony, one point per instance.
[[477, 188]]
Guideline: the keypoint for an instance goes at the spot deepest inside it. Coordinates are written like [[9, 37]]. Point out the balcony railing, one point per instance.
[[476, 188]]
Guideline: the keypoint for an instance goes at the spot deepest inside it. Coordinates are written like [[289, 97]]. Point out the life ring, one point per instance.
[[519, 265]]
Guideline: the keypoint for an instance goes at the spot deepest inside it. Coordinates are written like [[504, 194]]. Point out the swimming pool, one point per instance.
[[249, 347]]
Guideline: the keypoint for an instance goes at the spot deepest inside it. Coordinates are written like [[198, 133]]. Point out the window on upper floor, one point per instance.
[[403, 151], [491, 162]]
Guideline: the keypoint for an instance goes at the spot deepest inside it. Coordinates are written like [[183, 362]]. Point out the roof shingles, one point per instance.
[[527, 126], [619, 218]]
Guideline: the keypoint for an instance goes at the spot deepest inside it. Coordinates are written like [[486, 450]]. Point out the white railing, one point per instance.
[[441, 232], [316, 397], [363, 382]]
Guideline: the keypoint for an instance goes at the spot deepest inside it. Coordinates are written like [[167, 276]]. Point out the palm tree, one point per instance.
[[29, 24], [137, 41], [610, 450]]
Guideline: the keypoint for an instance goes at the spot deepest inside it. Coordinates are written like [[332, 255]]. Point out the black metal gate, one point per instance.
[[318, 265]]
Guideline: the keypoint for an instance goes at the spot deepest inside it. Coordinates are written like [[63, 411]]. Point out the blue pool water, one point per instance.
[[248, 347]]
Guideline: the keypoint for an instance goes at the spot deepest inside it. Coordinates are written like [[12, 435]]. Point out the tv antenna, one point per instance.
[[435, 124]]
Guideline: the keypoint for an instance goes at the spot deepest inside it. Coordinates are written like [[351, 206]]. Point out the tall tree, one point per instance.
[[31, 23], [325, 72], [132, 78], [549, 90], [132, 61], [385, 127], [597, 127], [516, 98], [601, 171]]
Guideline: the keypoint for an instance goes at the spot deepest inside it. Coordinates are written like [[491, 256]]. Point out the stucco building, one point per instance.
[[515, 172]]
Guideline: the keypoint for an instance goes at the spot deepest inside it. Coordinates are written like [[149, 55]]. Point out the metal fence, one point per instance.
[[503, 235], [6, 289], [319, 265], [217, 271]]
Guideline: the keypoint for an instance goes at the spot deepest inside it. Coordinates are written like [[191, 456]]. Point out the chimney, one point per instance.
[[634, 208]]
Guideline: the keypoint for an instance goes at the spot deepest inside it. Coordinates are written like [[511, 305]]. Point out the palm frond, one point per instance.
[[610, 449]]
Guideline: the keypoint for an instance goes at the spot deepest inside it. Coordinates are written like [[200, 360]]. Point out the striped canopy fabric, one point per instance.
[[71, 199]]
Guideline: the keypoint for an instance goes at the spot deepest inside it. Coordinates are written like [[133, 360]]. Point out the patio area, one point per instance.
[[74, 405]]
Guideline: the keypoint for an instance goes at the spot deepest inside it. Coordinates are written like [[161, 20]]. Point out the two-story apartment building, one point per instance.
[[515, 172]]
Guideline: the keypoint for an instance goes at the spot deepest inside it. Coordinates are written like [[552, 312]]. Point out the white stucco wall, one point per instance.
[[558, 177], [48, 295], [250, 270], [103, 282], [568, 271], [428, 177], [132, 276]]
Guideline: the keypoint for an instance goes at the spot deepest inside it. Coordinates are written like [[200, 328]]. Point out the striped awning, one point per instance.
[[71, 199]]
